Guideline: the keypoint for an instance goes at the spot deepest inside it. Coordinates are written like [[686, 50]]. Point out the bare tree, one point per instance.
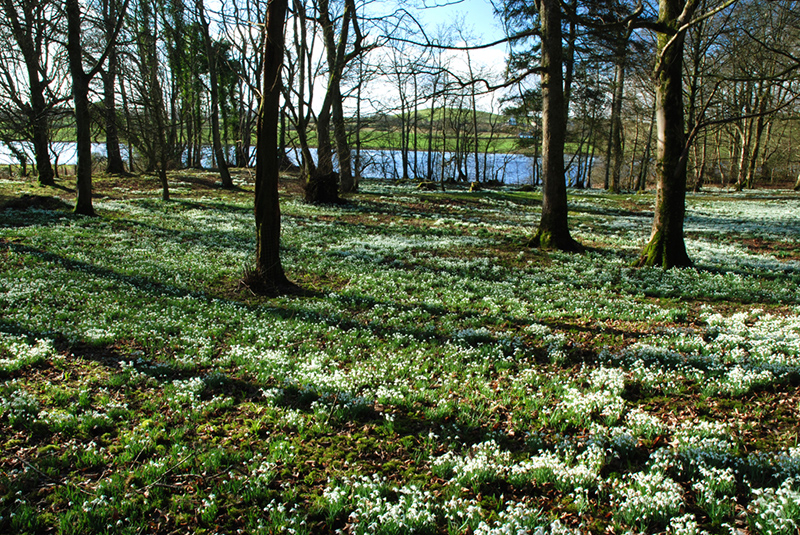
[[32, 26], [80, 96], [269, 270], [114, 164], [152, 130], [239, 21], [666, 247], [212, 55]]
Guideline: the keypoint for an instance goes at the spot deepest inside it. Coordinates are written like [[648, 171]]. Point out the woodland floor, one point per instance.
[[437, 376]]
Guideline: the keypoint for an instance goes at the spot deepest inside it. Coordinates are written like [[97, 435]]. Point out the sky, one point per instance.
[[478, 16], [480, 23]]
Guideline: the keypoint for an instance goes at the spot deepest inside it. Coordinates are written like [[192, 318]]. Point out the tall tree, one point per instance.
[[666, 247], [548, 60], [302, 71], [153, 132], [332, 111], [32, 25], [114, 163], [80, 96], [553, 231], [620, 58], [245, 62], [269, 269], [212, 53]]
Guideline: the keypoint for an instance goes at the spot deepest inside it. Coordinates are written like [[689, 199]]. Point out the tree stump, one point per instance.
[[323, 189]]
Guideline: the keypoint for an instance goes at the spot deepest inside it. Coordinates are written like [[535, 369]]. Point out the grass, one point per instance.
[[439, 378]]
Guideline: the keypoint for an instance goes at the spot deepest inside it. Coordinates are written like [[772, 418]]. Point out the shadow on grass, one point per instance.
[[38, 202]]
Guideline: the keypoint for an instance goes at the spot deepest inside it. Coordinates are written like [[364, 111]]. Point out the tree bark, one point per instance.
[[616, 120], [666, 247], [267, 203], [41, 139], [303, 63], [346, 181], [211, 54], [80, 95], [114, 164], [553, 229], [28, 34], [332, 110], [644, 168]]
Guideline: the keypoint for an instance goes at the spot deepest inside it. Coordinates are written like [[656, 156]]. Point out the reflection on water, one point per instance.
[[504, 168]]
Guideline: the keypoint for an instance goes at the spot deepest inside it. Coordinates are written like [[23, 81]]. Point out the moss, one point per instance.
[[548, 240]]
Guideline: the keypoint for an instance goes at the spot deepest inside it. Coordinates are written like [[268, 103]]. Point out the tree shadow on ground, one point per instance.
[[38, 202]]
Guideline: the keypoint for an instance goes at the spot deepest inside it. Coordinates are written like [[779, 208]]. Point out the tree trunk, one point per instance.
[[346, 181], [80, 96], [269, 270], [415, 126], [553, 229], [610, 141], [616, 124], [443, 166], [324, 145], [303, 63], [332, 105], [590, 164], [357, 155], [666, 247], [746, 135], [405, 129], [701, 167], [211, 54], [474, 110], [127, 112], [162, 177], [644, 168], [759, 134], [41, 141], [632, 164], [723, 178], [114, 164], [26, 34], [243, 132]]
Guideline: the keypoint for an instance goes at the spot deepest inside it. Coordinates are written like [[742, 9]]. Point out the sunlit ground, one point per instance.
[[438, 377]]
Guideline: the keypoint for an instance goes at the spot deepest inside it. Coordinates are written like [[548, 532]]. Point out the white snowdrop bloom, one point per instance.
[[20, 406], [684, 525], [647, 497], [644, 424], [485, 462], [272, 394], [22, 353], [188, 390], [609, 379], [776, 511], [537, 329], [372, 510]]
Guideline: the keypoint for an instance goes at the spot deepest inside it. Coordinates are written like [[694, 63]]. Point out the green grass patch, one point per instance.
[[439, 377]]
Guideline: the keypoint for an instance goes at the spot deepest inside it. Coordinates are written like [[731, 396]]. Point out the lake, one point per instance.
[[504, 168]]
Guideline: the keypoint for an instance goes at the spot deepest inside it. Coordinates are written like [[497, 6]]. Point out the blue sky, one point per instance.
[[478, 16]]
